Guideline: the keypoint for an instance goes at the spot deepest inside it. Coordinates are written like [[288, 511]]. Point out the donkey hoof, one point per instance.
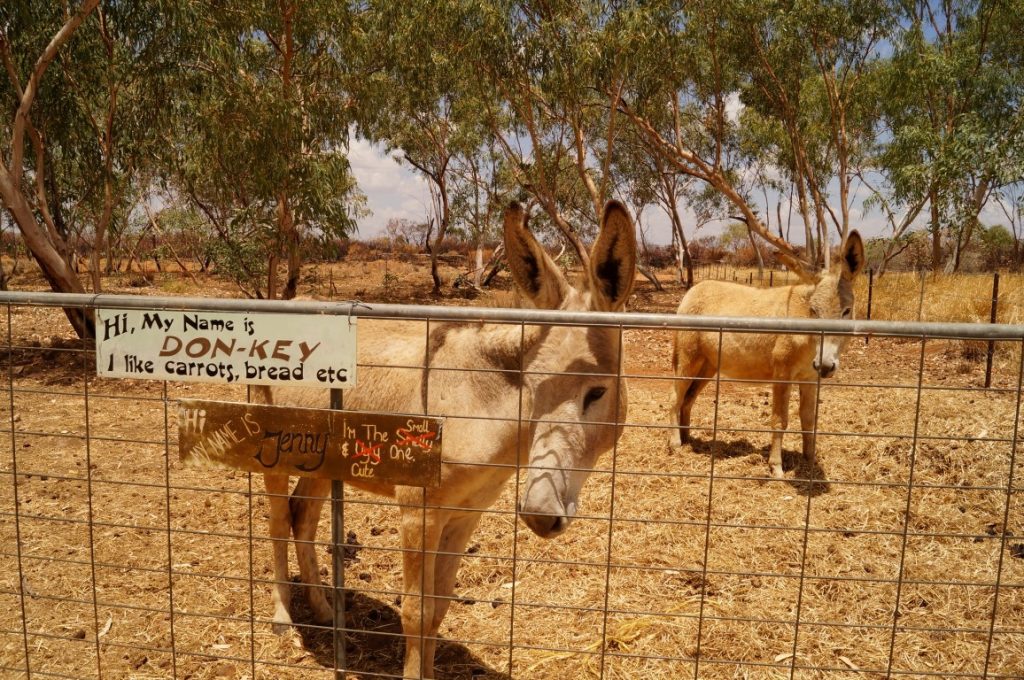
[[777, 472], [323, 613]]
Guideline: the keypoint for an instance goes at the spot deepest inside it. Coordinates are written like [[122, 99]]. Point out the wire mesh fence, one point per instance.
[[907, 295], [898, 551]]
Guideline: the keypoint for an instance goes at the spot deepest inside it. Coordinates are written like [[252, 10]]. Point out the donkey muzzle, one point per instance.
[[825, 369], [544, 524]]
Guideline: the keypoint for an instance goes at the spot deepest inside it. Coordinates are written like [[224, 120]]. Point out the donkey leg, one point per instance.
[[780, 421], [679, 433], [703, 373], [808, 401], [688, 371], [306, 504], [421, 535], [280, 534], [454, 538], [681, 344]]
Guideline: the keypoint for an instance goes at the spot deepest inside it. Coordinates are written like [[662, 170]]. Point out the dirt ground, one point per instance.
[[135, 567]]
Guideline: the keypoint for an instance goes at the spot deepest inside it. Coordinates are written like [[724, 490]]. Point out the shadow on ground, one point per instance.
[[374, 643], [808, 478]]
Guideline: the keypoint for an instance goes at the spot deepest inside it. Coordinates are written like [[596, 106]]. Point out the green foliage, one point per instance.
[[262, 129], [244, 260], [99, 105], [996, 244], [952, 102], [734, 236], [239, 112]]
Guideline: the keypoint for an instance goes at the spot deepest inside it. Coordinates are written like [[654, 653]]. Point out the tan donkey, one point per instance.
[[779, 359], [552, 400]]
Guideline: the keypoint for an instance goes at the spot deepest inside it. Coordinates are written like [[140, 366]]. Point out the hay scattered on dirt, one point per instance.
[[789, 573]]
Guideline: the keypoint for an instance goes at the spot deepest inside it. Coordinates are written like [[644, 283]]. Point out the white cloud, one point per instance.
[[392, 190], [733, 107]]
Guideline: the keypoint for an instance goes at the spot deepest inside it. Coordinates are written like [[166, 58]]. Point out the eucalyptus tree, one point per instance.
[[549, 65], [31, 36], [810, 75], [680, 77], [953, 111], [646, 179], [260, 130], [115, 93], [416, 101], [800, 72], [89, 85], [479, 190]]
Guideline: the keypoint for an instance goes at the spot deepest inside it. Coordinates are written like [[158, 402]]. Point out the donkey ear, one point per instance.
[[613, 259], [534, 273], [852, 257]]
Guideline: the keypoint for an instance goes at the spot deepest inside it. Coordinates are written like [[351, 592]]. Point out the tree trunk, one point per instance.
[[978, 198], [649, 275], [286, 223], [936, 230], [55, 269], [286, 219], [567, 231], [442, 231], [478, 264], [271, 277], [683, 259], [170, 246], [495, 264], [757, 251]]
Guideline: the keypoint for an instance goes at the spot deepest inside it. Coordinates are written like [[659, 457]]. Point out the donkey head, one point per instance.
[[575, 400], [833, 299]]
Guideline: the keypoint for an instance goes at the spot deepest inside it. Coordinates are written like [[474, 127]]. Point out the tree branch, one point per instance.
[[32, 87]]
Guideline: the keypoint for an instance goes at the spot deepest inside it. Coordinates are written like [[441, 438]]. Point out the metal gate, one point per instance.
[[899, 552]]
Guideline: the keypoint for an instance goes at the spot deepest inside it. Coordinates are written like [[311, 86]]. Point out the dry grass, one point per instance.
[[671, 573]]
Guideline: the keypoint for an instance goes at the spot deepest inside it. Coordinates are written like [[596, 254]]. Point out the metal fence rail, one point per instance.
[[898, 552]]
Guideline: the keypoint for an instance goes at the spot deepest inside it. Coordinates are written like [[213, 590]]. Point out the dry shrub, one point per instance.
[[383, 248], [142, 279], [361, 251]]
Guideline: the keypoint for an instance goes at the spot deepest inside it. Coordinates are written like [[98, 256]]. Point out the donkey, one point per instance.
[[554, 403], [780, 359]]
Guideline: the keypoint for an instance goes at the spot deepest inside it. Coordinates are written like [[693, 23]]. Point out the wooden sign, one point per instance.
[[227, 347], [347, 445]]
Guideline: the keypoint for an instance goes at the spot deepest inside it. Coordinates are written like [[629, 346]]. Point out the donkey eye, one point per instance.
[[593, 394]]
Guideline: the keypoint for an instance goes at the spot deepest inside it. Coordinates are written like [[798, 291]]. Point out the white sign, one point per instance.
[[226, 347]]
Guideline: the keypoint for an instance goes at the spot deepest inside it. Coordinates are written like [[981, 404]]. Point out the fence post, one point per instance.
[[871, 290], [992, 319], [920, 300], [338, 548]]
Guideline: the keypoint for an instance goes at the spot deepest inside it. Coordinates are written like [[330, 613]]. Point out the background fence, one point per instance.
[[899, 552], [907, 295]]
